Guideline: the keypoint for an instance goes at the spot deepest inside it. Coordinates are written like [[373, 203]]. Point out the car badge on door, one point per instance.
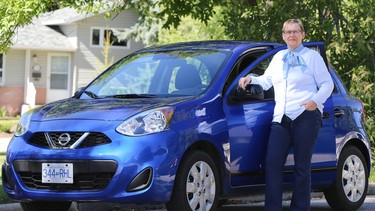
[[64, 139]]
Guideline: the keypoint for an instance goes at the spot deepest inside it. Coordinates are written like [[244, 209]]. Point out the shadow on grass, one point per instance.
[[4, 199]]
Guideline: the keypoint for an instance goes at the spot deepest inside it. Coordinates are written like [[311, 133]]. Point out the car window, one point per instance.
[[177, 72], [242, 63], [259, 69], [239, 96], [198, 73], [134, 80]]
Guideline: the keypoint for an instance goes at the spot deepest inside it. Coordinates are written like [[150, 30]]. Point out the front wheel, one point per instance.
[[196, 185], [46, 205], [350, 188]]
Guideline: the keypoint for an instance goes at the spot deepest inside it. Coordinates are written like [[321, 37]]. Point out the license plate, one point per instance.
[[57, 173]]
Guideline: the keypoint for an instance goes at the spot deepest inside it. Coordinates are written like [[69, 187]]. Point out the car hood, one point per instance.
[[100, 109]]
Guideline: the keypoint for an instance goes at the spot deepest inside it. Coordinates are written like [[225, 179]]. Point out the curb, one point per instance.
[[253, 199], [11, 206]]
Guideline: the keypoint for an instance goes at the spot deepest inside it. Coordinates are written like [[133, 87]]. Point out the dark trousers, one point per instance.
[[300, 134]]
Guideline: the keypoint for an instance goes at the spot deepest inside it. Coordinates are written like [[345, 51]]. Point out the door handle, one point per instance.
[[325, 115], [338, 112]]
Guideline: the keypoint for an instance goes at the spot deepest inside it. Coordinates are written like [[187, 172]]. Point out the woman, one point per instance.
[[302, 84]]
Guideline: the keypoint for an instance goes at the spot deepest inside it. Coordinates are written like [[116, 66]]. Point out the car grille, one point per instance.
[[66, 140], [88, 175]]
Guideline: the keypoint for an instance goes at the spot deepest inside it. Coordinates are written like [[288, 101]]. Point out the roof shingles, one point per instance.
[[39, 35]]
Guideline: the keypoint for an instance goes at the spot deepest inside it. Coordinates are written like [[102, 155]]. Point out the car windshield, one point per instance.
[[155, 74]]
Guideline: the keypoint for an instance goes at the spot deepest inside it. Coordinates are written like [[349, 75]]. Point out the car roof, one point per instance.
[[223, 45]]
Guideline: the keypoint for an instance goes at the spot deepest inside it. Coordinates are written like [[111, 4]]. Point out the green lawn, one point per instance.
[[3, 197], [372, 175], [7, 124]]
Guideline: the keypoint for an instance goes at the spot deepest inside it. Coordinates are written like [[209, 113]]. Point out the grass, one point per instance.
[[372, 175], [7, 123], [3, 196]]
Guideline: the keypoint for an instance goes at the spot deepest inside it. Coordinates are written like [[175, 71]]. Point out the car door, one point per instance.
[[249, 122]]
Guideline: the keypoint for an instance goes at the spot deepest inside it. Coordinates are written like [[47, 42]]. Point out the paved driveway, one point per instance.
[[316, 205]]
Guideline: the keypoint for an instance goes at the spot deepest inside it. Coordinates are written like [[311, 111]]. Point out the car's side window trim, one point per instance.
[[234, 99], [243, 62], [318, 47]]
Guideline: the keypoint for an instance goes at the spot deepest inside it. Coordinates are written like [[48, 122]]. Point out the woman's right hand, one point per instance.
[[243, 82]]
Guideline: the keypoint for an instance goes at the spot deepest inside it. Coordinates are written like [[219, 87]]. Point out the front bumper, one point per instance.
[[127, 170]]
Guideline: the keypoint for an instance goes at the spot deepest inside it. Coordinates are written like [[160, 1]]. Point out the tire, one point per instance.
[[196, 185], [46, 205], [350, 188]]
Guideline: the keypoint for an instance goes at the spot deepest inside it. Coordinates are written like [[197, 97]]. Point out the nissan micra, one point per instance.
[[168, 126]]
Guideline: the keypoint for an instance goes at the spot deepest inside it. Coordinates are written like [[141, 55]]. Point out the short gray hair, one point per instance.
[[294, 20]]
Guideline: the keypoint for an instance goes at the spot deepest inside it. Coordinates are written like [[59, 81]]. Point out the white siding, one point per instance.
[[42, 62], [90, 59], [15, 68], [70, 31]]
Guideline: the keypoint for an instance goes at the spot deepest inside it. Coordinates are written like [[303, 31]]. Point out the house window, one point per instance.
[[99, 36], [95, 37], [1, 69], [59, 72]]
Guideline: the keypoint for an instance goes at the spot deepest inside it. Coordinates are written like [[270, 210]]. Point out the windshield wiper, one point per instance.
[[92, 94], [131, 96]]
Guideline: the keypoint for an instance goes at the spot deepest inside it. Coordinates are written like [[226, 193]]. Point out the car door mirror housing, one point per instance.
[[251, 92]]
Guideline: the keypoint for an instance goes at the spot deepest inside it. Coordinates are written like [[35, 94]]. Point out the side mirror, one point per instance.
[[251, 92]]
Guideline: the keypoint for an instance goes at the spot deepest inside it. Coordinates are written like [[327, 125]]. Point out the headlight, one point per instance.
[[148, 122], [23, 124]]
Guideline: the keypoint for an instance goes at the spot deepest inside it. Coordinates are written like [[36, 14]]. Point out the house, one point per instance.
[[60, 52]]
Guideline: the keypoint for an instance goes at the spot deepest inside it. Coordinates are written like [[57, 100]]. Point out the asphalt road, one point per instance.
[[316, 205]]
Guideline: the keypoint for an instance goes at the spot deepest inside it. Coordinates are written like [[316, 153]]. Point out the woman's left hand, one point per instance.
[[309, 105]]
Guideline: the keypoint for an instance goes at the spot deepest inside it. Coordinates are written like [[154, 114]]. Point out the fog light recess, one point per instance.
[[141, 181], [7, 182]]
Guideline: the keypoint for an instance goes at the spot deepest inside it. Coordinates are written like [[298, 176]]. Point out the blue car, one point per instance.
[[168, 125]]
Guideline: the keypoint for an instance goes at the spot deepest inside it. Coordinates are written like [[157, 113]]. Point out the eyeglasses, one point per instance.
[[291, 32]]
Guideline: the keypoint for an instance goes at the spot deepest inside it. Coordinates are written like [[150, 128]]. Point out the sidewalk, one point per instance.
[[4, 140]]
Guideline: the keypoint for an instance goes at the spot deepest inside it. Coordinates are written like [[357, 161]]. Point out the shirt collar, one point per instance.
[[298, 49]]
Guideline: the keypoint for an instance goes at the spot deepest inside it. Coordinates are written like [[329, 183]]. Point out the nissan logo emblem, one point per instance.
[[64, 139]]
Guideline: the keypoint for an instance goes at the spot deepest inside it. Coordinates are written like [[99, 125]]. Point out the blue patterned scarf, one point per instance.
[[292, 59]]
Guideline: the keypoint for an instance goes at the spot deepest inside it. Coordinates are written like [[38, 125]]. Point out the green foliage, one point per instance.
[[3, 112], [347, 27], [191, 29], [363, 87], [106, 53], [3, 196], [17, 13], [7, 124]]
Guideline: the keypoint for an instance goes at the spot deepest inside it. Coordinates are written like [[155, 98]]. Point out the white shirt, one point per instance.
[[312, 83]]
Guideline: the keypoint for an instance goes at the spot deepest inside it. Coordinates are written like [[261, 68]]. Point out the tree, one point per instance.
[[153, 14], [347, 27], [193, 30], [19, 13]]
